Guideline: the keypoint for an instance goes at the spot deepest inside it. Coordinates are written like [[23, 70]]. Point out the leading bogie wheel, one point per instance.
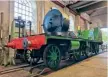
[[52, 56], [30, 58]]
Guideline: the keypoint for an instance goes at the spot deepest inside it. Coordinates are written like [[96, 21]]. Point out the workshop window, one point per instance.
[[26, 9], [71, 25]]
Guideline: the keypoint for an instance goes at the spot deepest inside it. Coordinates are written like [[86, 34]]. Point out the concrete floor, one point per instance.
[[92, 67], [95, 66]]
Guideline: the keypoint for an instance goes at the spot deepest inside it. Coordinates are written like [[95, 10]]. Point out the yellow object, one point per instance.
[[79, 27]]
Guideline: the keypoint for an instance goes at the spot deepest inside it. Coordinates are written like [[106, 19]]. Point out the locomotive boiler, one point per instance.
[[57, 42]]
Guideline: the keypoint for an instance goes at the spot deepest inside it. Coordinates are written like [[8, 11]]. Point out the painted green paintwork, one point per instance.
[[91, 35], [61, 37], [94, 34], [53, 56], [97, 34], [85, 34], [75, 44], [57, 37]]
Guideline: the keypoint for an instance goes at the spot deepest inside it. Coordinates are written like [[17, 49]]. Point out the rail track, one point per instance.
[[40, 68], [35, 70], [18, 68]]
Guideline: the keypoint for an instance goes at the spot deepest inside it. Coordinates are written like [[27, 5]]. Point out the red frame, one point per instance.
[[35, 42]]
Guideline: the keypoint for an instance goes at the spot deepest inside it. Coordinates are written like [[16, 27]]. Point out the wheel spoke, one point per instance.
[[52, 56], [52, 49], [55, 62], [53, 53], [49, 56], [57, 50], [51, 63]]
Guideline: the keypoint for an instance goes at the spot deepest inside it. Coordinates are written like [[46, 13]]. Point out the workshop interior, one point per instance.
[[53, 38]]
